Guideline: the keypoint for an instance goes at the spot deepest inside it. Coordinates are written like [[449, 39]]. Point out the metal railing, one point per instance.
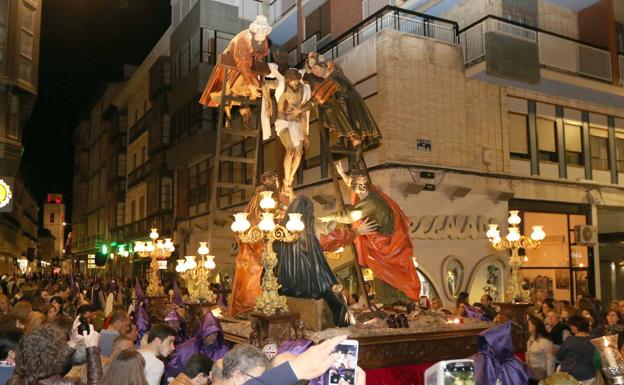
[[139, 127], [555, 52], [278, 8], [140, 228], [139, 174], [397, 19], [89, 242]]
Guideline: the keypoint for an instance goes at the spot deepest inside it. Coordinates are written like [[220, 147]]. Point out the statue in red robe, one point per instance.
[[246, 52], [246, 286], [387, 252]]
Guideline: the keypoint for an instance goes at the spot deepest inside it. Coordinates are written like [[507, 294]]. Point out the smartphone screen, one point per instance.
[[345, 363], [459, 373]]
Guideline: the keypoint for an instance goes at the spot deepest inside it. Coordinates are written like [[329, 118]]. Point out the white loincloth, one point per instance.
[[294, 130]]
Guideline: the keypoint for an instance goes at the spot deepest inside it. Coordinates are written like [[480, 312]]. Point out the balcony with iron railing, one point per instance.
[[139, 127], [139, 174], [88, 243], [556, 52], [140, 228], [393, 18]]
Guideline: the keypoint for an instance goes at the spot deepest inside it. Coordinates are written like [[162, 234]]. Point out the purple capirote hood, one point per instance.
[[210, 326], [497, 342], [496, 359], [174, 316]]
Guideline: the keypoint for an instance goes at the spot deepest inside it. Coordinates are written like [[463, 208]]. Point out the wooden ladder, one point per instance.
[[218, 177], [358, 159]]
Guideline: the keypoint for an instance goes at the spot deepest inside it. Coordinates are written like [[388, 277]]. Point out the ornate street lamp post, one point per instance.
[[196, 274], [514, 241], [267, 231], [156, 249]]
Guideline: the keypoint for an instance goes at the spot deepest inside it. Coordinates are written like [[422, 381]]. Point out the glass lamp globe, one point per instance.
[[139, 246], [493, 232], [149, 247], [514, 218], [190, 262], [294, 222], [203, 249], [209, 263], [267, 202], [538, 233], [267, 223], [169, 245], [513, 235], [154, 234], [241, 223], [180, 268]]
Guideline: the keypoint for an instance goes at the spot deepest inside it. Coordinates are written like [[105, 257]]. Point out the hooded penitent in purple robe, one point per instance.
[[496, 359], [473, 312], [178, 323], [141, 319], [195, 345]]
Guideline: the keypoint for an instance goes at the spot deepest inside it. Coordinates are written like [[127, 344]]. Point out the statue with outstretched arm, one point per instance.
[[388, 251]]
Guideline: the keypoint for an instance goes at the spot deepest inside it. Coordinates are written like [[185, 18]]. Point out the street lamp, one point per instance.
[[515, 241], [156, 249], [196, 274], [267, 231]]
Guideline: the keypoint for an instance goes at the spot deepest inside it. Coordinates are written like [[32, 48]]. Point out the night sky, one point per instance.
[[84, 43]]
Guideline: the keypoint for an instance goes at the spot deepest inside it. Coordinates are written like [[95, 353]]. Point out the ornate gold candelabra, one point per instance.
[[156, 249], [514, 241], [267, 231], [196, 275]]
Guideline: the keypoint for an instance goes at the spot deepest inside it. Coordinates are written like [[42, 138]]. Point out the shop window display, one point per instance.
[[559, 266]]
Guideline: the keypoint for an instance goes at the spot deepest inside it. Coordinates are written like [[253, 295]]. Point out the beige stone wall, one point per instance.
[[424, 94], [557, 19], [470, 11]]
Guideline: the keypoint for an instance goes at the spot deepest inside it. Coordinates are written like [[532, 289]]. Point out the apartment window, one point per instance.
[[143, 154], [599, 148], [184, 60], [14, 118], [134, 161], [4, 10], [619, 149], [52, 218], [142, 207], [121, 165], [166, 194], [27, 34], [198, 184], [133, 216], [546, 140], [119, 219], [574, 144], [166, 129], [518, 135]]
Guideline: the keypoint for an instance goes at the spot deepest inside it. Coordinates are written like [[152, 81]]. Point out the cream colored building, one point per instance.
[[498, 116]]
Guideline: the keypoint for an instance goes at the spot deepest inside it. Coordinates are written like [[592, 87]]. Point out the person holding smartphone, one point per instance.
[[312, 363]]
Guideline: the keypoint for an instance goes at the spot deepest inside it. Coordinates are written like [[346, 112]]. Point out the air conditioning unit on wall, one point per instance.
[[586, 235]]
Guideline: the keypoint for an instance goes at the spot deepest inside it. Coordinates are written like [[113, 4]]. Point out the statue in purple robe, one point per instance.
[[496, 360], [208, 341]]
